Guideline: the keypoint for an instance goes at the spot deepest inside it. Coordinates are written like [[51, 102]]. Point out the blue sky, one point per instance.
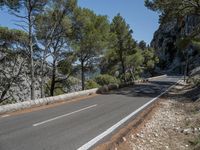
[[143, 21]]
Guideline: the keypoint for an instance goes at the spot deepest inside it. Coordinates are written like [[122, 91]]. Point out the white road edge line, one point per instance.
[[55, 118], [115, 126]]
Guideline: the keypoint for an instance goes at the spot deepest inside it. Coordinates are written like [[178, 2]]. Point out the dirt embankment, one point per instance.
[[173, 125]]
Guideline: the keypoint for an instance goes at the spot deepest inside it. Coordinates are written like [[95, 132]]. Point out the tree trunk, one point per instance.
[[186, 68], [32, 70], [132, 75], [123, 70], [4, 93], [82, 75], [32, 75], [123, 67], [42, 72], [53, 79], [122, 61], [42, 80]]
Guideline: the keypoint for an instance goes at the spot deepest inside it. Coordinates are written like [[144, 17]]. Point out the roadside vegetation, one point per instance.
[[60, 47]]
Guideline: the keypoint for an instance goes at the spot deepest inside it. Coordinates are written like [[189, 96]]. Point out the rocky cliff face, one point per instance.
[[165, 38], [15, 79]]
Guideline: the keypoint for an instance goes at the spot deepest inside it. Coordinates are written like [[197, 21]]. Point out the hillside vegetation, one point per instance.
[[62, 48]]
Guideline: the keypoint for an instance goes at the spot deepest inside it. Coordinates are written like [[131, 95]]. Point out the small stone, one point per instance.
[[115, 148], [167, 147], [187, 131], [177, 128], [132, 136], [156, 135], [186, 145], [124, 139], [188, 119], [182, 146], [141, 135], [151, 141]]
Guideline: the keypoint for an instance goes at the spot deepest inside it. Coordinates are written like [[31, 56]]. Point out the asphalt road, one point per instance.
[[70, 126]]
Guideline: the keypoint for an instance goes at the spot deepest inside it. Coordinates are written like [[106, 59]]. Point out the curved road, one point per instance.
[[78, 125]]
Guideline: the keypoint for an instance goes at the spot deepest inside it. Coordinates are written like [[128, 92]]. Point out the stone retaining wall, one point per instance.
[[44, 101]]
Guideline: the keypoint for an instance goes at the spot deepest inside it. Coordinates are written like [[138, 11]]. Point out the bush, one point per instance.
[[195, 80], [106, 80], [103, 89], [90, 84]]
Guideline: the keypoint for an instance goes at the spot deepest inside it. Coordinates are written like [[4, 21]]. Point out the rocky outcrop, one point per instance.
[[15, 79], [164, 42], [165, 38]]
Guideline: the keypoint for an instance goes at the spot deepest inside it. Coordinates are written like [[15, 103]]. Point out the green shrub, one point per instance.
[[58, 90], [106, 80], [8, 101], [197, 82], [90, 84], [194, 80], [103, 89]]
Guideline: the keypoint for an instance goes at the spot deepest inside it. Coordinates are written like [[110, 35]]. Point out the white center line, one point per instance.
[[93, 141], [55, 118]]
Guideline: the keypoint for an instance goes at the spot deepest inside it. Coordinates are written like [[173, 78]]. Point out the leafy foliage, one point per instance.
[[170, 9], [12, 35], [150, 58], [90, 84], [123, 42], [90, 33], [142, 45], [106, 80]]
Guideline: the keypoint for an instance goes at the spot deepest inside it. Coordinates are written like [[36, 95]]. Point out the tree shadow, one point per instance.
[[187, 94], [150, 89]]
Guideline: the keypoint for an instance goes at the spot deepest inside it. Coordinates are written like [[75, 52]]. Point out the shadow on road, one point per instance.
[[150, 89], [186, 94]]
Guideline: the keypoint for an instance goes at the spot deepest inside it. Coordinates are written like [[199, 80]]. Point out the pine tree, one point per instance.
[[90, 38], [123, 41], [30, 8]]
